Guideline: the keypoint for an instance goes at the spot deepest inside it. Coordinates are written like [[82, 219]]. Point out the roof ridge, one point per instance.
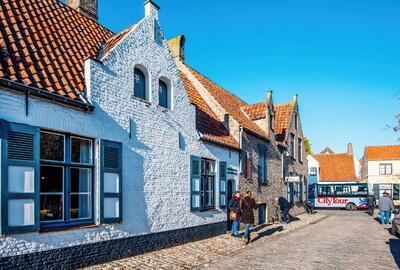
[[217, 84]]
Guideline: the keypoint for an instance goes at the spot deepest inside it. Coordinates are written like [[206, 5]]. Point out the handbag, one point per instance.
[[232, 215]]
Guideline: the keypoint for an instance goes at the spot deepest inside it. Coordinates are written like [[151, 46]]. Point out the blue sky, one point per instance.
[[342, 57]]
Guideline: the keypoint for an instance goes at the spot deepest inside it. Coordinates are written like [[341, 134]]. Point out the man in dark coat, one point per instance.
[[247, 206], [234, 207], [285, 206], [371, 204]]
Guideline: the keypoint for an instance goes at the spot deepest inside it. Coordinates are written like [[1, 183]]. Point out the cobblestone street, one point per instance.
[[344, 240], [327, 240], [206, 251]]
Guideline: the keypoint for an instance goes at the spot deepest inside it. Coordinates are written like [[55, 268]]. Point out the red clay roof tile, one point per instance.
[[384, 152], [206, 120], [32, 32], [336, 167]]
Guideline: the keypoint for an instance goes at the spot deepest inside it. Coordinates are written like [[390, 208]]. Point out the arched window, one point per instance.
[[163, 94], [140, 84]]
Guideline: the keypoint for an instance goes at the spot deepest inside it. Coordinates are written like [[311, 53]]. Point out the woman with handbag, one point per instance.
[[234, 214], [247, 206]]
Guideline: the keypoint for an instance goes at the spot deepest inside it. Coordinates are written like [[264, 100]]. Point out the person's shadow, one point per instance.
[[267, 233], [394, 245]]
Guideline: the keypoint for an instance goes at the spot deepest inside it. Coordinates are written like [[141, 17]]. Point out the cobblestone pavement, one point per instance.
[[206, 251], [344, 240]]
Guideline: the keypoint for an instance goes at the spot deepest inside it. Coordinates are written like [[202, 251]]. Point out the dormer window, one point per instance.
[[163, 94], [140, 84]]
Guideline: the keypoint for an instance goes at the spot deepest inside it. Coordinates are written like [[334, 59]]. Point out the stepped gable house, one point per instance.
[[104, 152]]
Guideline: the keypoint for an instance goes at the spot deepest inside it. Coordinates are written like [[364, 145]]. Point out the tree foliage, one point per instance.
[[307, 145]]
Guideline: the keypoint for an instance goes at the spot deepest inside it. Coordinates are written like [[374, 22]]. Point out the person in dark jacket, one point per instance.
[[234, 206], [285, 206], [247, 206], [371, 204]]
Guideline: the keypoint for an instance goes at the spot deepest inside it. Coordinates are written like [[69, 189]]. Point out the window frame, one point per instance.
[[146, 84], [312, 172], [385, 168], [222, 179], [292, 145], [167, 94], [300, 149], [262, 164], [203, 204], [67, 166]]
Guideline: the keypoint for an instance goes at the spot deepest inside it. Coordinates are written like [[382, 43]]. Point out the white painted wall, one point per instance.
[[156, 184], [375, 178]]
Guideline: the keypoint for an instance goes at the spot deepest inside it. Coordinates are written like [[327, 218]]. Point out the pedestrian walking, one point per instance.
[[371, 204], [285, 207], [234, 207], [247, 206], [385, 207]]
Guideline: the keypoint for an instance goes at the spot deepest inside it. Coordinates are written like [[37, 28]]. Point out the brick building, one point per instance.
[[102, 152]]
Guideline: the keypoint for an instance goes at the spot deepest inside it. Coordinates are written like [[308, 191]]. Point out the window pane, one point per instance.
[[223, 188], [80, 180], [81, 151], [223, 200], [389, 169], [382, 169], [51, 179], [196, 184], [51, 146], [111, 207], [51, 207], [140, 84], [111, 182], [21, 212], [80, 206], [163, 94], [21, 179], [195, 167], [196, 201]]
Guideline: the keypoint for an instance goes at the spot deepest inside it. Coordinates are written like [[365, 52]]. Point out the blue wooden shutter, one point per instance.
[[20, 147], [195, 184], [222, 184], [261, 164], [111, 182], [396, 191]]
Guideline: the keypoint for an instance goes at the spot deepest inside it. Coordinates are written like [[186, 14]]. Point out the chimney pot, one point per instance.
[[350, 149], [89, 8], [269, 95], [151, 9], [295, 97]]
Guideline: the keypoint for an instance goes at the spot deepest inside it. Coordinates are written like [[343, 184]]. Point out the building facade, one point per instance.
[[254, 127], [100, 149], [381, 170]]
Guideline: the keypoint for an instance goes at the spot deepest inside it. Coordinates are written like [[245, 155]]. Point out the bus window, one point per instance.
[[342, 190], [325, 190]]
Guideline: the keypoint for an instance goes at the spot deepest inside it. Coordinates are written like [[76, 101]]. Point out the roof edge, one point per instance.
[[29, 90]]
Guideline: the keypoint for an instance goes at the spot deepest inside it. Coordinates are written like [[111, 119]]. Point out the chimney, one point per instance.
[[177, 47], [89, 8], [226, 122], [151, 9], [349, 149], [269, 95], [295, 97]]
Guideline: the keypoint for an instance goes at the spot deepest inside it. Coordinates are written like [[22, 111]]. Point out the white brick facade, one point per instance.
[[156, 172]]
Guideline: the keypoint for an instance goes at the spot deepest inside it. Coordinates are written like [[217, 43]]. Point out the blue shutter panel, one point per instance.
[[222, 184], [265, 165], [20, 147], [111, 182], [261, 163], [195, 183]]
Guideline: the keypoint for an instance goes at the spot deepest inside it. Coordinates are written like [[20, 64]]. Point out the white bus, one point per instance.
[[347, 196]]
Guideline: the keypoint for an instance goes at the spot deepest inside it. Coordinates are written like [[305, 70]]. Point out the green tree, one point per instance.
[[307, 145]]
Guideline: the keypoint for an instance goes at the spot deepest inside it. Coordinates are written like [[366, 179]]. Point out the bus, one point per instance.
[[347, 196]]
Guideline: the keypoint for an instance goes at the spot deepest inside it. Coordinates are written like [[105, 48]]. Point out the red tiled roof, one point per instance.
[[256, 111], [44, 43], [283, 113], [383, 152], [327, 150], [206, 120], [231, 104], [336, 167]]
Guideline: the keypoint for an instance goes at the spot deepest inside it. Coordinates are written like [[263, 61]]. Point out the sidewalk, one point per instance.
[[203, 252]]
